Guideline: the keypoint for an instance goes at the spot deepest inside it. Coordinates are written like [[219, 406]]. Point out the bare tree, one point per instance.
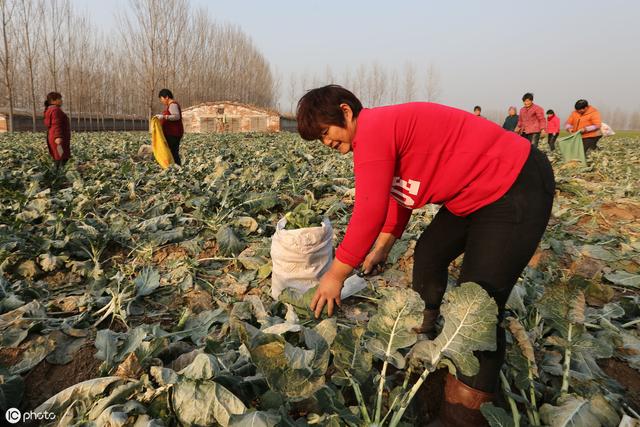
[[433, 90], [409, 82], [7, 60], [377, 84], [53, 14], [30, 17]]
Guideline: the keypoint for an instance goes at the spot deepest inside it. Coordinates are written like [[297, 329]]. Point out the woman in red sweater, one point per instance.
[[496, 192], [58, 129]]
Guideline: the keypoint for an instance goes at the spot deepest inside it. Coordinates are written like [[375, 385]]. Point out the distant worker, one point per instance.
[[553, 129], [477, 110], [531, 123], [171, 119], [58, 129], [511, 121], [586, 120]]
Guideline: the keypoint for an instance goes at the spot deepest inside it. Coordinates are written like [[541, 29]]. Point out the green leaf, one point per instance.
[[37, 350], [255, 419], [228, 242], [107, 345], [295, 372], [562, 304], [147, 281], [572, 410], [399, 312], [597, 252], [85, 391], [524, 342], [203, 367], [495, 416], [470, 317], [350, 356], [622, 278], [205, 403]]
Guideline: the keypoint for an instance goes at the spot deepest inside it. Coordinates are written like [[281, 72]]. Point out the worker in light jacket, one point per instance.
[[531, 122], [496, 192]]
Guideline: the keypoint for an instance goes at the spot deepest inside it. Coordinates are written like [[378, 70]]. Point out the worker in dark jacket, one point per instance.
[[58, 129], [171, 119], [511, 121]]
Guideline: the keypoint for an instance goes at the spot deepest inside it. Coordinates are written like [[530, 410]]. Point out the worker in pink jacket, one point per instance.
[[495, 190], [553, 129], [531, 121]]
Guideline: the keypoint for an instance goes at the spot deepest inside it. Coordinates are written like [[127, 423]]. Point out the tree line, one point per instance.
[[45, 45], [373, 83]]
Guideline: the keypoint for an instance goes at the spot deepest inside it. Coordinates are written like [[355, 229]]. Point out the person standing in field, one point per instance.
[[477, 110], [531, 123], [58, 129], [553, 129], [586, 120], [172, 126], [511, 121], [496, 192]]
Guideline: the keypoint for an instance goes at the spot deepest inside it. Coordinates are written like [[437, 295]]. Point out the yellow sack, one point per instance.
[[159, 145]]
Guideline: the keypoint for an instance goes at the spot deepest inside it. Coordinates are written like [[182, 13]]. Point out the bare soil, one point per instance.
[[46, 379], [628, 377]]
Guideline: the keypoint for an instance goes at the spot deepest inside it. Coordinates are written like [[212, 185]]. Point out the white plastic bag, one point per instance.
[[606, 130], [300, 257]]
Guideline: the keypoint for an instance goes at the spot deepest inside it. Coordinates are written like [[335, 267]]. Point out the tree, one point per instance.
[[432, 83], [409, 82], [30, 14], [7, 59]]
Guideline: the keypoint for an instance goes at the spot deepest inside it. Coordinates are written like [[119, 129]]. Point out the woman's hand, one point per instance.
[[380, 252], [375, 257], [329, 288]]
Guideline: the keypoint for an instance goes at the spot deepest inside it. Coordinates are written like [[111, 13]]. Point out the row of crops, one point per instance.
[[131, 295]]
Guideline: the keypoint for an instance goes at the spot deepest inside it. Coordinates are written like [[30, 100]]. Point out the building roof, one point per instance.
[[240, 104]]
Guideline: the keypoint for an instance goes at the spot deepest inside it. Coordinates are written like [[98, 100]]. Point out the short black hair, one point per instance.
[[321, 107], [528, 96], [165, 93], [581, 103], [477, 107], [550, 112]]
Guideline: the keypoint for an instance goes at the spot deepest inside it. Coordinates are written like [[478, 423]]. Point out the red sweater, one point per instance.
[[421, 153], [58, 126], [553, 125]]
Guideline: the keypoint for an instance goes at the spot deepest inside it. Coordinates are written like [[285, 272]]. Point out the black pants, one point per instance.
[[590, 143], [551, 140], [533, 138], [497, 240], [174, 146]]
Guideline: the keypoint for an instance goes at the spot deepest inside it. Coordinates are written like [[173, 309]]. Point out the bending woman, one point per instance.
[[496, 192]]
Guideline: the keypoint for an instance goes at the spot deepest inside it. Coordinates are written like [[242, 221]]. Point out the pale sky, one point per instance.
[[487, 52]]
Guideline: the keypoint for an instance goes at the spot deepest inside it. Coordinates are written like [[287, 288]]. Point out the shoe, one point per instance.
[[461, 405], [428, 327]]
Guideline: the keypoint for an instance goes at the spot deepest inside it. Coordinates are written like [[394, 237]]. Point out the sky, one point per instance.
[[487, 53]]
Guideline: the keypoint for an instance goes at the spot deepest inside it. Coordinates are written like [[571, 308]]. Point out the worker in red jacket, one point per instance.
[[496, 192], [172, 126], [58, 129], [553, 129]]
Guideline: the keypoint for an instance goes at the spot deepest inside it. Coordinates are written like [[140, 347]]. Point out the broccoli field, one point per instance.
[[136, 296]]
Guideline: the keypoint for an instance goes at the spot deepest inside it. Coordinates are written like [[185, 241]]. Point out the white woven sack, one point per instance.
[[300, 257]]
